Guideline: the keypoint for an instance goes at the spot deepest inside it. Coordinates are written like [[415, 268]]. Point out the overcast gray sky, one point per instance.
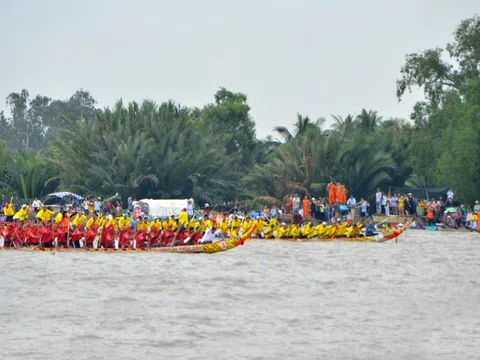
[[316, 57]]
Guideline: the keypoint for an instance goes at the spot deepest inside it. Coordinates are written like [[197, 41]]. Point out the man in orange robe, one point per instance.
[[332, 189], [306, 207], [338, 193], [343, 191], [289, 205]]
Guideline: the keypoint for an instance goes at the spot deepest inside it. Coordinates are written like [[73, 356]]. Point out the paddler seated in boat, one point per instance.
[[351, 230], [270, 232], [274, 220], [294, 231], [21, 214], [370, 230], [307, 231], [247, 224], [209, 234], [8, 235], [259, 226], [167, 236], [193, 236], [154, 234], [46, 235], [194, 223], [234, 226], [32, 237], [341, 229], [44, 214], [282, 231], [170, 222], [223, 228], [126, 235], [78, 220], [178, 237], [332, 229], [320, 229]]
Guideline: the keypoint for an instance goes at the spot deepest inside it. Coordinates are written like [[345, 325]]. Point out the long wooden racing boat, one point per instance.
[[184, 249], [209, 248], [377, 238]]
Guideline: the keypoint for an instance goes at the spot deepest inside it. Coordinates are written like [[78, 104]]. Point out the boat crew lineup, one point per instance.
[[92, 230]]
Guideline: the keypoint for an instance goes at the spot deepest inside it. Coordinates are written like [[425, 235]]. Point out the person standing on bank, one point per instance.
[[378, 201]]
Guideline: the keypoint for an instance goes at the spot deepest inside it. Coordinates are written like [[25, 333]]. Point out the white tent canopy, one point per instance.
[[163, 208]]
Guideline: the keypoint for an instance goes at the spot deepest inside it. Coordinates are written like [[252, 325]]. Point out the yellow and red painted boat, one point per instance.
[[209, 248], [184, 249], [391, 235]]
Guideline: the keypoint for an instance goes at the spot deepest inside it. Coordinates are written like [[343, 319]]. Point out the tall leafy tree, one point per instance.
[[445, 136], [229, 119]]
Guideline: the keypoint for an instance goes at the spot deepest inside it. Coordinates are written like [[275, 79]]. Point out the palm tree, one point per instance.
[[302, 125], [144, 151], [295, 166], [368, 121], [363, 168], [29, 173], [4, 165], [344, 126]]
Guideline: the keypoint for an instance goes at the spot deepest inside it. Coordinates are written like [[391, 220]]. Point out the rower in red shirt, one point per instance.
[[108, 237], [32, 237], [126, 236], [153, 237], [18, 237], [91, 234], [167, 236], [8, 234], [77, 236], [141, 238], [46, 235]]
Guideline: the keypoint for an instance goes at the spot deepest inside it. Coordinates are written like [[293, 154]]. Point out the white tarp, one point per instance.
[[163, 208]]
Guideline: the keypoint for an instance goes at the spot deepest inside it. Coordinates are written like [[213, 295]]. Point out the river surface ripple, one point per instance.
[[417, 299]]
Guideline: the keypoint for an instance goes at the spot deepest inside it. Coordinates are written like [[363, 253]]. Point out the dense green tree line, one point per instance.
[[213, 154]]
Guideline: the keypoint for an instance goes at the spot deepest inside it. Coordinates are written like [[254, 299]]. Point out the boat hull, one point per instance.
[[212, 248], [377, 238]]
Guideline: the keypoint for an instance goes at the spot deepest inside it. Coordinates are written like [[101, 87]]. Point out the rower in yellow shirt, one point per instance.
[[351, 230], [273, 221], [78, 219], [331, 231], [223, 227], [247, 225], [270, 231], [21, 214], [194, 223], [358, 229], [183, 218], [157, 224], [8, 211], [44, 214], [341, 230], [58, 218], [173, 223], [307, 231], [234, 226], [281, 231], [165, 224], [295, 231], [259, 226]]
